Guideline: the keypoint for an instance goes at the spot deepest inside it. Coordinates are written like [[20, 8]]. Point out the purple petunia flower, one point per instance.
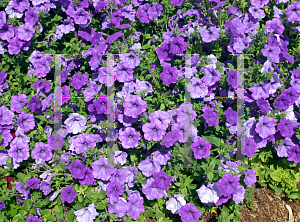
[[131, 59], [68, 194], [129, 138], [115, 189], [45, 187], [102, 169], [77, 169], [88, 177], [231, 116], [210, 34], [149, 167], [42, 85], [169, 75], [293, 12], [143, 13], [42, 151], [211, 118], [78, 80], [257, 12], [117, 206], [14, 46], [232, 78], [134, 106], [152, 192], [135, 205], [286, 127], [34, 104], [81, 16], [2, 19], [178, 46], [264, 105], [118, 176], [84, 142], [19, 151], [154, 130], [177, 2], [294, 154], [197, 88], [282, 102], [260, 91], [32, 218], [33, 183], [124, 72], [228, 184], [162, 180], [250, 177], [31, 17], [250, 147], [6, 116], [87, 214], [189, 213], [25, 32], [271, 52], [163, 52], [155, 11], [201, 148], [265, 126], [162, 156], [21, 189], [170, 139]]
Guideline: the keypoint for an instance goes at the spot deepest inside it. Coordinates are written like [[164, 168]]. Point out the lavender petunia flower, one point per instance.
[[286, 127], [170, 139], [162, 180], [149, 167], [32, 218], [250, 177], [19, 151], [131, 59], [211, 118], [45, 187], [134, 106], [76, 123], [178, 46], [78, 80], [102, 169], [154, 130], [210, 194], [197, 88], [31, 17], [129, 138], [175, 203], [25, 32], [34, 104], [250, 147], [88, 177], [117, 206], [265, 126], [162, 156], [84, 142], [260, 91], [293, 12], [114, 189], [231, 116], [135, 205], [42, 151], [87, 214], [152, 192], [210, 34], [6, 116], [124, 72]]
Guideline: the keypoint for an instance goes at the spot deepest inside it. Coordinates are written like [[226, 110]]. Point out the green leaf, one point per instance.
[[70, 216], [277, 175], [149, 213], [293, 195], [162, 106], [51, 218], [8, 162], [41, 118], [210, 175], [17, 218], [21, 177], [230, 66], [80, 198], [159, 214], [78, 206], [146, 46], [90, 195], [59, 212], [0, 138]]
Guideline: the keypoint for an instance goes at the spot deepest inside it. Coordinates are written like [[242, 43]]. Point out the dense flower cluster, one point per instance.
[[148, 133]]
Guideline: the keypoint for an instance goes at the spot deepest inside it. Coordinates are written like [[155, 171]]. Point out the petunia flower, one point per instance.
[[175, 203], [201, 148], [19, 151], [129, 138], [250, 147], [265, 126], [149, 167], [228, 184], [102, 169], [77, 169], [154, 130], [250, 177], [87, 214], [135, 206], [76, 123], [32, 218], [294, 154], [162, 180], [178, 46], [68, 194], [25, 32], [6, 116], [293, 12], [42, 151], [210, 34], [33, 183], [134, 106], [169, 75], [152, 192], [189, 213]]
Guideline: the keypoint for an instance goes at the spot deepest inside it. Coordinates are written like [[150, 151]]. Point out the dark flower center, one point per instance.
[[181, 130], [135, 105], [166, 50], [18, 150], [42, 151], [130, 136], [155, 129], [103, 103], [78, 167], [85, 143], [116, 188], [131, 57], [41, 84], [70, 193]]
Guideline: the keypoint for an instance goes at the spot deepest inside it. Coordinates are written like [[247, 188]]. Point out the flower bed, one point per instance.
[[130, 110]]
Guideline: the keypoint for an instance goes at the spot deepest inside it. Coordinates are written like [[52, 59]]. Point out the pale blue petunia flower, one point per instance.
[[87, 214]]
